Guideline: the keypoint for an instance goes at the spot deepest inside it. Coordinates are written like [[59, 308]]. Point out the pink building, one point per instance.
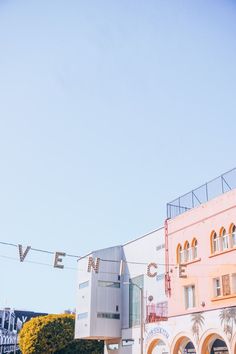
[[201, 274]]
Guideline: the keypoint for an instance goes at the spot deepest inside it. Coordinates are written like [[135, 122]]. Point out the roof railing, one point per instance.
[[202, 194]]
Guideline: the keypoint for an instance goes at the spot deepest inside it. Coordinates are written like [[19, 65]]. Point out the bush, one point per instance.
[[54, 334], [46, 334], [83, 346]]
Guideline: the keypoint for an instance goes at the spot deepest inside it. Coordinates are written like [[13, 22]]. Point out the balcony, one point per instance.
[[156, 312]]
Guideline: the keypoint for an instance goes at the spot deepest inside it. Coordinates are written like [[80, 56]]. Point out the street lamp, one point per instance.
[[141, 312]]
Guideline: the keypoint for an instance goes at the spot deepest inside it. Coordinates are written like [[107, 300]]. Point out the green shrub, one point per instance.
[[54, 334], [82, 346], [46, 334]]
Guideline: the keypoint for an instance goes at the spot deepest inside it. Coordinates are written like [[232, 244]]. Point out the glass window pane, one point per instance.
[[135, 300], [83, 285], [108, 284]]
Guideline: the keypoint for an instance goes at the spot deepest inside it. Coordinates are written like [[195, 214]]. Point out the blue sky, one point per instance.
[[109, 109]]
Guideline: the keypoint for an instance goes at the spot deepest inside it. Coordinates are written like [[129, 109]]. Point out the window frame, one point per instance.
[[194, 249], [178, 253], [108, 315], [215, 242], [232, 233], [224, 239], [193, 295], [187, 251], [84, 284], [109, 284], [82, 316], [217, 289]]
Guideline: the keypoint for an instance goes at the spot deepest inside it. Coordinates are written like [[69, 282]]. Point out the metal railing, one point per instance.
[[9, 348], [202, 194], [156, 312]]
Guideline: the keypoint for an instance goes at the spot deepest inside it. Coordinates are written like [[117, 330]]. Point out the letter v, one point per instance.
[[23, 254]]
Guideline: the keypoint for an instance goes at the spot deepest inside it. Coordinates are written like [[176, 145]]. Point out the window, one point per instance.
[[216, 244], [217, 287], [127, 342], [83, 285], [226, 284], [225, 239], [108, 284], [178, 253], [160, 276], [135, 300], [108, 315], [186, 255], [183, 256], [114, 346], [233, 283], [158, 248], [82, 316], [194, 249], [233, 235], [189, 292]]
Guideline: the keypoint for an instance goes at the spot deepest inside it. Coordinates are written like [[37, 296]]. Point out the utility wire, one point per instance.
[[82, 270], [112, 260]]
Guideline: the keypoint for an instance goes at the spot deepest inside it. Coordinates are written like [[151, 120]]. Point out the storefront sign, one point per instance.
[[157, 330]]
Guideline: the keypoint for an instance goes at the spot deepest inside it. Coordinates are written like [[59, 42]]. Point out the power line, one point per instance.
[[82, 270], [36, 249], [105, 260]]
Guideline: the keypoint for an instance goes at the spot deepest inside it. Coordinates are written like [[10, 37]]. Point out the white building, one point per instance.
[[112, 300]]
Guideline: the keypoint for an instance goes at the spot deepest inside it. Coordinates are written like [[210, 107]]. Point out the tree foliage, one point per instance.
[[83, 346], [54, 334], [46, 334]]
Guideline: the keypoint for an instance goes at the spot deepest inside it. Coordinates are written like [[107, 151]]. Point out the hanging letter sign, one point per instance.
[[22, 253], [151, 265], [94, 265], [58, 259]]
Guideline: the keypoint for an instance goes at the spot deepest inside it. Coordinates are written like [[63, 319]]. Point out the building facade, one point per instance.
[[8, 331], [11, 321], [172, 291], [202, 286], [121, 303]]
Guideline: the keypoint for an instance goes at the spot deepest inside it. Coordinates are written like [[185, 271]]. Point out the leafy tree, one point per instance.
[[54, 334], [83, 346], [46, 334]]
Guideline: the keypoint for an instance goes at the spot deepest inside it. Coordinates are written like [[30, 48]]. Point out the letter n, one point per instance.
[[93, 264]]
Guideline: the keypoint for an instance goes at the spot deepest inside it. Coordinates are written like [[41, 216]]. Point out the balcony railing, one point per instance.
[[156, 312]]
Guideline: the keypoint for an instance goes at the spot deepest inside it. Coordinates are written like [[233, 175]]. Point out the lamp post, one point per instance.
[[141, 313]]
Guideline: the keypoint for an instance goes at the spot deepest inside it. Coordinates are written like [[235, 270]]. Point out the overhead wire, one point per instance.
[[105, 260], [82, 270]]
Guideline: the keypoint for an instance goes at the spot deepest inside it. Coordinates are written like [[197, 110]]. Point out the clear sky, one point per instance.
[[109, 109]]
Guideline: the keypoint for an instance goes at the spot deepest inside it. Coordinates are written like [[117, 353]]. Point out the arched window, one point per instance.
[[194, 248], [225, 238], [178, 253], [215, 242], [187, 251], [232, 232]]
